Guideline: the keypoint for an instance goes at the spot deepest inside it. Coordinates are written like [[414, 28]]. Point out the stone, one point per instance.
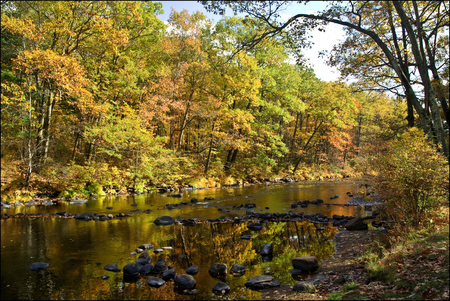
[[218, 269], [317, 202], [146, 269], [105, 277], [109, 207], [155, 282], [160, 266], [303, 286], [255, 226], [157, 251], [143, 261], [221, 288], [237, 270], [247, 237], [194, 200], [262, 281], [132, 269], [146, 246], [267, 249], [295, 272], [250, 205], [175, 195], [37, 266], [185, 281], [164, 221], [169, 274], [306, 263], [112, 268], [356, 224], [192, 270]]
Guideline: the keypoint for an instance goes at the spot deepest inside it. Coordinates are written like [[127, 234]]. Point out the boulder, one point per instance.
[[218, 269], [237, 270], [155, 282], [306, 263], [221, 288], [303, 286], [164, 220], [262, 281], [143, 261], [192, 270], [356, 224], [169, 274], [36, 266], [185, 281], [160, 266], [267, 249], [255, 226], [146, 269], [132, 269], [112, 268]]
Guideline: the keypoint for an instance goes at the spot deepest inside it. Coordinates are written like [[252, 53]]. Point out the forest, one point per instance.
[[103, 95]]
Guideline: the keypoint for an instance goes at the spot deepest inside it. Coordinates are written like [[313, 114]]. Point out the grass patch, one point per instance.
[[334, 296], [349, 286]]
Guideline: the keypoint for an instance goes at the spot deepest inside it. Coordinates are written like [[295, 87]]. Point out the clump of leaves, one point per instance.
[[414, 178]]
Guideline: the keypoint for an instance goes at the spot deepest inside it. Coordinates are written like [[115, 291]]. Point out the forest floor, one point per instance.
[[416, 269]]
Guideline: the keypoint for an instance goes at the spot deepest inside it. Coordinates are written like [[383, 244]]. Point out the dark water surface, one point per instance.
[[72, 247]]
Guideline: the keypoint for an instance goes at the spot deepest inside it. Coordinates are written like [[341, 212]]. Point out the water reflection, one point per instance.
[[72, 247]]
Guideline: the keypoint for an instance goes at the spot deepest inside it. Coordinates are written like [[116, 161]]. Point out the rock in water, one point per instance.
[[185, 281], [255, 226], [356, 224], [131, 269], [192, 270], [218, 269], [169, 274], [164, 220], [221, 288], [36, 266], [262, 281], [237, 270], [155, 282], [112, 268], [305, 263], [267, 249]]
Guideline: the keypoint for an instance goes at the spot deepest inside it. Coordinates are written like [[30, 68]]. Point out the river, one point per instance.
[[77, 251]]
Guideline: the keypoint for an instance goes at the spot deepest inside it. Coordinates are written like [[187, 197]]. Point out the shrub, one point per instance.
[[413, 177]]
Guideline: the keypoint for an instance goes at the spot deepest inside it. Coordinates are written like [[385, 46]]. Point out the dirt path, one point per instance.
[[332, 272]]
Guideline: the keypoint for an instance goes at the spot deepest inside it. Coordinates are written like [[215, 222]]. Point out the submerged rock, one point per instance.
[[267, 249], [169, 274], [192, 270], [112, 268], [185, 281], [164, 221], [132, 269], [155, 282], [37, 266], [221, 288], [255, 226], [262, 281]]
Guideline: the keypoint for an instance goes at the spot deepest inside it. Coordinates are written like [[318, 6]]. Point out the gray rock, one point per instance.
[[112, 268], [155, 282], [218, 269], [185, 281], [164, 220], [36, 266], [132, 269], [267, 249], [237, 270], [303, 286], [255, 226], [306, 263], [221, 288], [160, 266], [192, 270], [262, 281], [146, 269], [169, 274], [105, 277], [146, 246], [247, 237], [295, 272]]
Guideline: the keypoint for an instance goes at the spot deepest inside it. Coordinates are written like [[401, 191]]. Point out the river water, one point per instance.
[[73, 248]]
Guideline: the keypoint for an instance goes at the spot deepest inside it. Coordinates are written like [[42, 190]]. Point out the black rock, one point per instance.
[[218, 269], [317, 202], [194, 200], [356, 224], [160, 266], [221, 288], [98, 263], [185, 281], [175, 195], [109, 207], [169, 274], [250, 205], [255, 226], [303, 286], [192, 270], [105, 277], [295, 272], [112, 268], [146, 247], [164, 220], [305, 263], [146, 269], [36, 266], [247, 237], [143, 261], [155, 282], [262, 281], [132, 269], [237, 270], [267, 249]]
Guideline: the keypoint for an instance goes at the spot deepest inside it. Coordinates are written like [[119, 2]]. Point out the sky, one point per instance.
[[322, 40]]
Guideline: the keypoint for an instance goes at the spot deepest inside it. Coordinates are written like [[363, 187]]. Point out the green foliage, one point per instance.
[[414, 177]]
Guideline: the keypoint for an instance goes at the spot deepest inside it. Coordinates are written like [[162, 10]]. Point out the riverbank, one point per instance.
[[381, 265]]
